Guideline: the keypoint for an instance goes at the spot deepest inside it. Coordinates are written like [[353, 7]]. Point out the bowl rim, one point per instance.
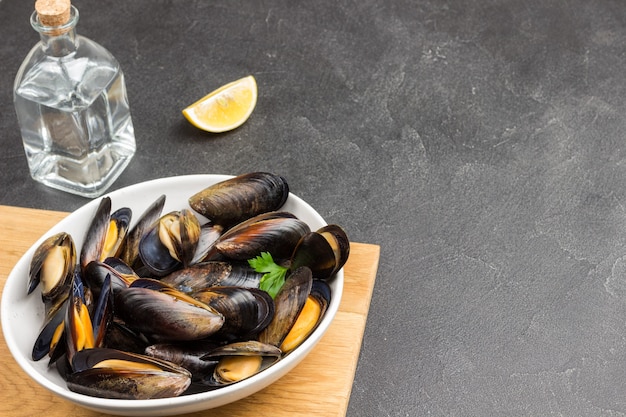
[[184, 403]]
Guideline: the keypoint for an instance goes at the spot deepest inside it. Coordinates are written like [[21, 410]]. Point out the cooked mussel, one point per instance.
[[208, 274], [209, 234], [85, 329], [246, 311], [236, 199], [110, 373], [51, 335], [52, 267], [188, 355], [309, 316], [120, 336], [163, 313], [119, 223], [273, 232], [240, 360], [96, 273], [325, 251], [170, 243], [106, 233], [288, 303], [129, 250], [299, 307], [96, 233]]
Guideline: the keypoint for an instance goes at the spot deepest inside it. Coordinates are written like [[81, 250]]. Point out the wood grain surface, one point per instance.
[[319, 386]]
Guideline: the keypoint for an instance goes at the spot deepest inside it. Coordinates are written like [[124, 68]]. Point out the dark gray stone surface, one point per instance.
[[480, 143]]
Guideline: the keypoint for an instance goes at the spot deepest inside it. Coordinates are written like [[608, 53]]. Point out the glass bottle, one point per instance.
[[72, 108]]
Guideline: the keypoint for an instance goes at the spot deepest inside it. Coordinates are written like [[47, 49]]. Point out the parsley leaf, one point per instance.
[[273, 275]]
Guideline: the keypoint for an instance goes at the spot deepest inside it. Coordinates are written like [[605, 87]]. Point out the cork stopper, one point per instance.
[[53, 13]]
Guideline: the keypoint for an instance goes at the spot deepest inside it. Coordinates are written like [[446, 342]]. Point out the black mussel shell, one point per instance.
[[240, 360], [119, 223], [188, 355], [246, 311], [208, 274], [288, 303], [109, 373], [170, 243], [120, 336], [180, 233], [209, 234], [325, 251], [86, 327], [96, 233], [234, 200], [163, 313], [96, 273], [102, 313], [129, 250], [155, 257], [277, 233], [52, 267], [309, 317], [51, 333]]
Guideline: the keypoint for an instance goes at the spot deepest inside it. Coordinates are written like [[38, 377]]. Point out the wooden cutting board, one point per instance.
[[319, 386]]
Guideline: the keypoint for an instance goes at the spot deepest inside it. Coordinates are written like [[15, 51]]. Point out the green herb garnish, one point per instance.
[[273, 275]]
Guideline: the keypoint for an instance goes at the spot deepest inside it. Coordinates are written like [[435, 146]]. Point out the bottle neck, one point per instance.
[[60, 40]]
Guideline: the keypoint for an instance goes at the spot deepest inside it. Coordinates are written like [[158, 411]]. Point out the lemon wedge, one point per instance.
[[226, 108]]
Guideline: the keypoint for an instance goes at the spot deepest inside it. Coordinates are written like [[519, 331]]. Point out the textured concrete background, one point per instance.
[[480, 143]]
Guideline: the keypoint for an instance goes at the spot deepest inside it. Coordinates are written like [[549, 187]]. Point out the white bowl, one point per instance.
[[22, 314]]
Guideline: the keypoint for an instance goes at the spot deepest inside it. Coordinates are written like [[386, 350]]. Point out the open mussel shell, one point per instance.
[[325, 251], [246, 311], [129, 250], [234, 200], [155, 257], [180, 233], [274, 232], [52, 268], [309, 316], [96, 233], [51, 334], [208, 274], [102, 313], [119, 223], [119, 274], [163, 313], [110, 373], [170, 243], [188, 355], [106, 233], [288, 303], [209, 234], [85, 327], [240, 360]]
